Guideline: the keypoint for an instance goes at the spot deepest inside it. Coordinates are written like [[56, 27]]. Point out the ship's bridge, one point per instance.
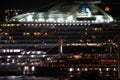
[[68, 13]]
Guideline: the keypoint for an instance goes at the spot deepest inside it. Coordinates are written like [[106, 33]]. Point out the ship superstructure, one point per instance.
[[65, 33]]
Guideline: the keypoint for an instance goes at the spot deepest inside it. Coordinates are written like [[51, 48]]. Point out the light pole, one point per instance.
[[61, 46]]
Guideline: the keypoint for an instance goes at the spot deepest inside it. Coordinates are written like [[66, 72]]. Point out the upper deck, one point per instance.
[[68, 13]]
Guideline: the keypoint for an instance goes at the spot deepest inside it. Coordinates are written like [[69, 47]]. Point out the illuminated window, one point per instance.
[[13, 41], [97, 29], [8, 24], [6, 33], [12, 24], [6, 11], [86, 29], [26, 33], [4, 50], [11, 50], [37, 33], [10, 37], [16, 50], [17, 24], [35, 46], [109, 40], [0, 29], [81, 40], [86, 33], [6, 41], [46, 33]]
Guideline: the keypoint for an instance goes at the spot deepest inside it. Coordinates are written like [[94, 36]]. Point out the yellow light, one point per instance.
[[107, 8], [37, 33], [77, 57], [26, 33]]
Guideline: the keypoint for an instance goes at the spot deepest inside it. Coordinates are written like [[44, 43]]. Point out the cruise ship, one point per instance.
[[69, 37]]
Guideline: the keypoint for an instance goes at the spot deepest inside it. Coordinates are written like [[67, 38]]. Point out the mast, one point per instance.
[[60, 46]]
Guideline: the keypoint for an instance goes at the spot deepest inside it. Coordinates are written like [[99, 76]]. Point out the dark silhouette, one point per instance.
[[75, 78], [108, 78], [93, 76]]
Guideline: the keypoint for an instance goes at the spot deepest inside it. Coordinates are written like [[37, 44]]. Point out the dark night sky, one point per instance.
[[23, 3], [35, 3]]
